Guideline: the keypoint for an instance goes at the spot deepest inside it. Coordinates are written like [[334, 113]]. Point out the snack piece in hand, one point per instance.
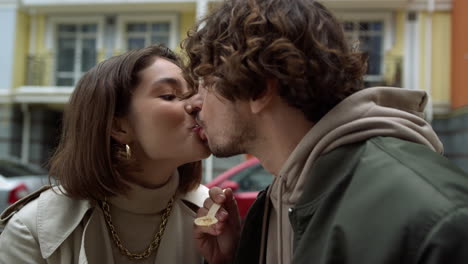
[[210, 218]]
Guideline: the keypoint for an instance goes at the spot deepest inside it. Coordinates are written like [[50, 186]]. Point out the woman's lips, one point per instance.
[[201, 134]]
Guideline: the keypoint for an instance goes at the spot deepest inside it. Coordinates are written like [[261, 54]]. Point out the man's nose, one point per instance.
[[194, 104]]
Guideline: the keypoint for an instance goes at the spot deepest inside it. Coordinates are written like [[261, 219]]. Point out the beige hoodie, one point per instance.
[[379, 111]]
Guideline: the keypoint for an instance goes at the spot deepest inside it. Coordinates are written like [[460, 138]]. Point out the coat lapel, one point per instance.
[[62, 223], [96, 246]]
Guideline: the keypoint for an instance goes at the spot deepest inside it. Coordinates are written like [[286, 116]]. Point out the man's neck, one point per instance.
[[281, 133]]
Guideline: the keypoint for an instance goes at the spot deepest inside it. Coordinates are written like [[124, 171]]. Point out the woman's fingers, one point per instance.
[[217, 195], [221, 215]]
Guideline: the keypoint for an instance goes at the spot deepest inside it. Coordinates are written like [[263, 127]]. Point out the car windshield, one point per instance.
[[253, 179], [15, 169]]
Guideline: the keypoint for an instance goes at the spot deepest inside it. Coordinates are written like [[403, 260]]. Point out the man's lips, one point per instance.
[[199, 130]]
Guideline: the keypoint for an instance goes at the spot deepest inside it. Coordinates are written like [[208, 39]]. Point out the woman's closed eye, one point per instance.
[[168, 97]]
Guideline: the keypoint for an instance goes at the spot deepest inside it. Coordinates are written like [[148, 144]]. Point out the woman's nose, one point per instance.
[[194, 104]]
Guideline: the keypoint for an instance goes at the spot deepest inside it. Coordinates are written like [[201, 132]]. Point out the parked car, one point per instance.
[[246, 180], [18, 180]]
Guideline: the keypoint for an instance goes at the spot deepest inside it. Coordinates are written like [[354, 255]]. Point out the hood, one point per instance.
[[378, 111], [371, 112]]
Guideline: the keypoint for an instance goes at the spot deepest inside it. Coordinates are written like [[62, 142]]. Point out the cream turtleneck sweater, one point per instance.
[[137, 216]]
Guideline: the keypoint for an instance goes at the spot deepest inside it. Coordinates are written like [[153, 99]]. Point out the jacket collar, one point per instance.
[[64, 222], [14, 208], [67, 214], [197, 196], [58, 215]]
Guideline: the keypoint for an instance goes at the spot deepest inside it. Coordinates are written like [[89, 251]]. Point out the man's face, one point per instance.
[[227, 126]]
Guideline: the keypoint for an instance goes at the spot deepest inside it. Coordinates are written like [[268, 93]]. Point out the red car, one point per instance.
[[246, 180]]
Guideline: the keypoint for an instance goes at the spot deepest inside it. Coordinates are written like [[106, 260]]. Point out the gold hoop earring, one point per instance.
[[128, 151]]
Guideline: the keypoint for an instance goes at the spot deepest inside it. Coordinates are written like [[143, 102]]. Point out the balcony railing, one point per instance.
[[39, 70]]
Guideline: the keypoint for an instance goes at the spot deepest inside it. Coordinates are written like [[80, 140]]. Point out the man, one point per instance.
[[358, 173]]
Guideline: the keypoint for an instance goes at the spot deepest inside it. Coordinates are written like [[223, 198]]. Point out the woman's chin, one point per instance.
[[204, 150], [201, 153], [206, 154]]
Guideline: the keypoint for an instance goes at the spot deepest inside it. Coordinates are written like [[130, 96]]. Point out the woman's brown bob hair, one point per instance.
[[89, 163]]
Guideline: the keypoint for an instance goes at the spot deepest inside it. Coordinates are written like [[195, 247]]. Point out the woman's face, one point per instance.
[[162, 129]]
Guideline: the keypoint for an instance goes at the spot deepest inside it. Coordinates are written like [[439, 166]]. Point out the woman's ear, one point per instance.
[[121, 131]]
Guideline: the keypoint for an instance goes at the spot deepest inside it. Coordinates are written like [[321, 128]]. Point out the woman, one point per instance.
[[128, 167]]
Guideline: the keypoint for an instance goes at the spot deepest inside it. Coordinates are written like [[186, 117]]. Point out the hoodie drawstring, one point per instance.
[[279, 217]]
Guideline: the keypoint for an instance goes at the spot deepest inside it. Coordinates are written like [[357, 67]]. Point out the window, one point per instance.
[[140, 35], [140, 32], [76, 52], [75, 42], [370, 34]]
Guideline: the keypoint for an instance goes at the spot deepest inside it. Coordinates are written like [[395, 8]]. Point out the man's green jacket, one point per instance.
[[383, 200]]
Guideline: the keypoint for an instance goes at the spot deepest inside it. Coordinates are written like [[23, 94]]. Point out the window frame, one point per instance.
[[123, 20], [387, 34], [52, 37]]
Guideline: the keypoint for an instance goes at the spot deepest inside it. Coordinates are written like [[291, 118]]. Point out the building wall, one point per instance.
[[5, 129], [400, 20], [39, 54], [459, 54], [187, 21], [452, 128], [9, 117], [10, 130], [440, 55], [45, 129], [441, 49], [16, 35], [453, 132], [21, 49], [394, 57], [40, 33], [7, 32]]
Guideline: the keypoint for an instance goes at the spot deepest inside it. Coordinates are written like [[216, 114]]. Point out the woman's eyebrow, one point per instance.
[[175, 84], [168, 80]]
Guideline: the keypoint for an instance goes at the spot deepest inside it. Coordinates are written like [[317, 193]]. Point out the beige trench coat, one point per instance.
[[52, 228]]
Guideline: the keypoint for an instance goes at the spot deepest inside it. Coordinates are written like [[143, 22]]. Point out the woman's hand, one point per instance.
[[218, 242]]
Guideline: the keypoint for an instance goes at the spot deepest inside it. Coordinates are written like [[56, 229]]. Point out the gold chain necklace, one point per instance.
[[153, 246]]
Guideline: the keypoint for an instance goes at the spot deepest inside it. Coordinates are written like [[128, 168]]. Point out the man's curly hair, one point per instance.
[[299, 43]]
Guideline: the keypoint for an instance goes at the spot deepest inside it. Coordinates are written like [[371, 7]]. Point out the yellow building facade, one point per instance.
[[409, 44]]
